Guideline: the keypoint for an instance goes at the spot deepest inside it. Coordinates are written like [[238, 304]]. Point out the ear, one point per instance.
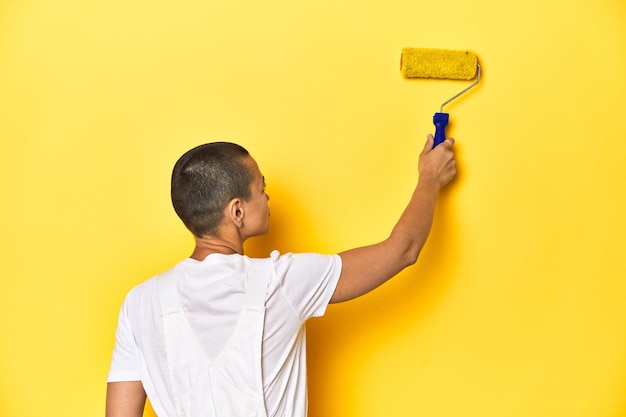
[[234, 212]]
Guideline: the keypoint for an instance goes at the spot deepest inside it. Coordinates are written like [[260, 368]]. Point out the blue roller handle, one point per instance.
[[441, 121]]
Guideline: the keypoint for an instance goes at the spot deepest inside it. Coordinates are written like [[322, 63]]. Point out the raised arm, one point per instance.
[[125, 399], [368, 267]]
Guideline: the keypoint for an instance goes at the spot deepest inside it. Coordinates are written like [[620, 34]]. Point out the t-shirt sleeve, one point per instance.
[[125, 363], [308, 281]]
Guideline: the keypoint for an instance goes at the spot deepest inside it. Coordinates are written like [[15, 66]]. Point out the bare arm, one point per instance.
[[125, 399], [368, 267]]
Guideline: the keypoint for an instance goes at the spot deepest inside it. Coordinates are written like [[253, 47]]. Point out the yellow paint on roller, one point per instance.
[[438, 63]]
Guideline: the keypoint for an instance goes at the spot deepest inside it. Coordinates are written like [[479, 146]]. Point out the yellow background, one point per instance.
[[517, 306]]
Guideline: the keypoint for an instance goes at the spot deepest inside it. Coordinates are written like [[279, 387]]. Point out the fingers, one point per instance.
[[429, 143], [438, 162], [450, 168], [447, 143], [428, 146]]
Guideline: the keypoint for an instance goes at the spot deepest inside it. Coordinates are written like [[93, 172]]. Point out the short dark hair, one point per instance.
[[204, 180]]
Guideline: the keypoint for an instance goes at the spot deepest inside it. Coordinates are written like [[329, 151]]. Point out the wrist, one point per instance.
[[429, 182]]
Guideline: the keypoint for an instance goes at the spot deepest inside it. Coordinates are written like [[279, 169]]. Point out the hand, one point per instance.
[[437, 163]]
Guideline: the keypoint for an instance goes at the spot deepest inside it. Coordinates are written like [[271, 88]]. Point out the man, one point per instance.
[[222, 334]]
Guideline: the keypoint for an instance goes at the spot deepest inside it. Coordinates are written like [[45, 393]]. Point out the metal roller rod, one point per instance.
[[471, 86]]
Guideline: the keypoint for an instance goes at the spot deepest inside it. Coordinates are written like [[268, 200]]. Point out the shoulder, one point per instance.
[[306, 280], [298, 273], [307, 262], [146, 292]]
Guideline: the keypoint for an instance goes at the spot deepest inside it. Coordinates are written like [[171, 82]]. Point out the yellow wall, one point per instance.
[[516, 307]]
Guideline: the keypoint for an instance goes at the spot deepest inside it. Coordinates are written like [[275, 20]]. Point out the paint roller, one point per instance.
[[440, 63]]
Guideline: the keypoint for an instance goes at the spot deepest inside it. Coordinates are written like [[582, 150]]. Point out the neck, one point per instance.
[[206, 246]]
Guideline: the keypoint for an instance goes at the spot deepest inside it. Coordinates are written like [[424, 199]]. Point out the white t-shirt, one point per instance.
[[212, 294]]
